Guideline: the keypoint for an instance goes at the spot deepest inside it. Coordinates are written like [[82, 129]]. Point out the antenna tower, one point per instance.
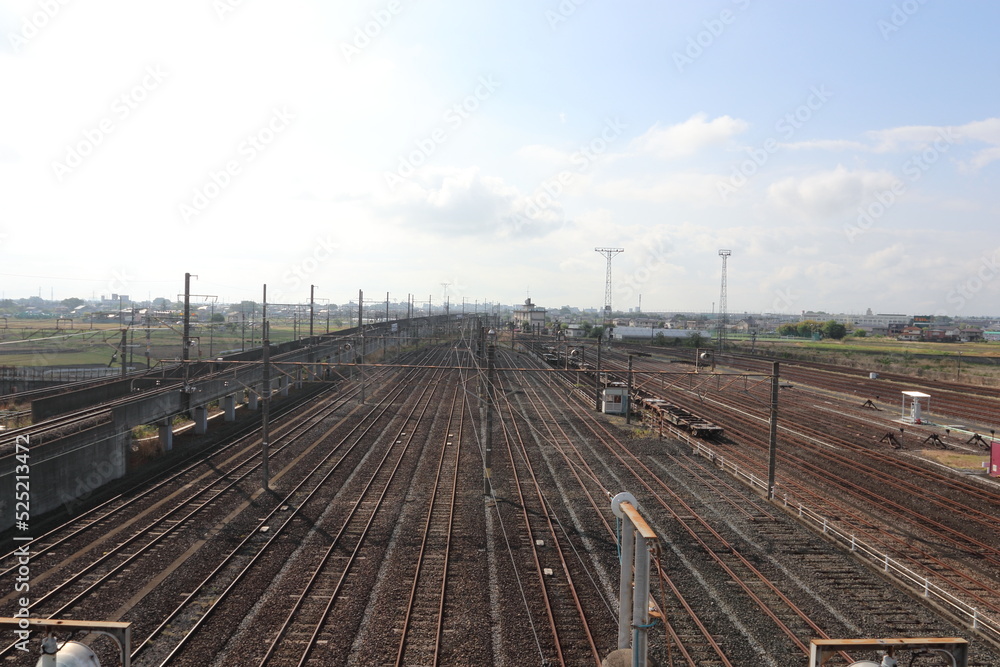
[[609, 253], [723, 306]]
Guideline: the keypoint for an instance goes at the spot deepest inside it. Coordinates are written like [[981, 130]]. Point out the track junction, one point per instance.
[[376, 544]]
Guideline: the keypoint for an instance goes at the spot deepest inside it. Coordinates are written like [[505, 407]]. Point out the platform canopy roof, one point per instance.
[[916, 394]]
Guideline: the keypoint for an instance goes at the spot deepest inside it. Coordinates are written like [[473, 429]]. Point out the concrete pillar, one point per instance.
[[229, 405], [283, 385], [200, 420], [298, 377], [166, 430], [252, 397]]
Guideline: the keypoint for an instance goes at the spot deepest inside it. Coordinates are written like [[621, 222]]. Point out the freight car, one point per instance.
[[684, 419]]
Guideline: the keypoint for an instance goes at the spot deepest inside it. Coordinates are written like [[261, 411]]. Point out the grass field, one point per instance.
[[970, 462], [972, 363], [888, 345], [51, 343]]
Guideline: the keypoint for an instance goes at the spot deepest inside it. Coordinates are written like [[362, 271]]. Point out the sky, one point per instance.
[[846, 152]]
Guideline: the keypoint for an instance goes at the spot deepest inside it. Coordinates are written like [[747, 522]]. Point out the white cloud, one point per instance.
[[829, 193], [539, 153], [919, 137], [689, 137], [676, 187], [464, 202], [834, 145]]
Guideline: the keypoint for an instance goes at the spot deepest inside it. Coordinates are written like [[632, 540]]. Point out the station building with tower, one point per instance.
[[529, 314]]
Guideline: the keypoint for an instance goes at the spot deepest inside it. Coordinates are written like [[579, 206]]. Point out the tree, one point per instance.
[[834, 330], [72, 302], [860, 333], [806, 328], [595, 332], [218, 317], [788, 329], [695, 339]]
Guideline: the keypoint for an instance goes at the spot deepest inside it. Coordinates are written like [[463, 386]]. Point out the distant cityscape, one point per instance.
[[573, 321]]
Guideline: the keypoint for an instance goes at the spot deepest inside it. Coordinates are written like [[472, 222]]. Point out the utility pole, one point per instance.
[[772, 438], [361, 330], [723, 305], [488, 435], [265, 405], [597, 378], [186, 346], [211, 333], [628, 393], [124, 354], [609, 253], [312, 299]]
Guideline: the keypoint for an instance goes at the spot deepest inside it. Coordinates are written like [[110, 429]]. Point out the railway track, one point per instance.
[[952, 555], [423, 622], [830, 570], [376, 544], [145, 540]]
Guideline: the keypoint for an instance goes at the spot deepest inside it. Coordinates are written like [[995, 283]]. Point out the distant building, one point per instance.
[[650, 333], [970, 335], [529, 314], [645, 322], [874, 322]]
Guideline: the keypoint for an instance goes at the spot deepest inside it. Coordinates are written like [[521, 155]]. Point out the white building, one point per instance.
[[529, 314]]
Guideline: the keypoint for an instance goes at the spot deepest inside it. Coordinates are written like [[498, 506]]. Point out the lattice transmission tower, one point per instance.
[[609, 253], [723, 306]]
